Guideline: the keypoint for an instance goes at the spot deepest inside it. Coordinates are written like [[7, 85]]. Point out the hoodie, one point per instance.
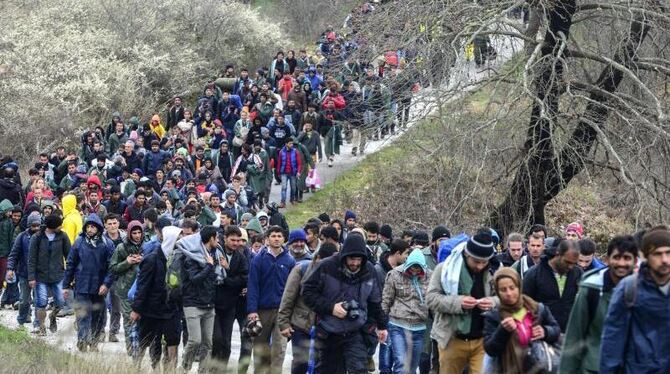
[[123, 272], [72, 220], [6, 228], [332, 282], [88, 261], [404, 296], [255, 225]]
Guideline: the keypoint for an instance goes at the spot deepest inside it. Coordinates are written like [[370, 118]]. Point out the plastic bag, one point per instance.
[[313, 180]]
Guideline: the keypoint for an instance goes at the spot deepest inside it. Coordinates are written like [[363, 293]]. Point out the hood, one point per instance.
[[117, 115], [416, 257], [170, 236], [255, 225], [134, 121], [5, 206], [156, 118], [133, 225], [354, 245], [94, 180], [95, 220], [69, 205], [262, 214]]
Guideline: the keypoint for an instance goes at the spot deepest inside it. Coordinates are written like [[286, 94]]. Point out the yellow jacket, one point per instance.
[[72, 220]]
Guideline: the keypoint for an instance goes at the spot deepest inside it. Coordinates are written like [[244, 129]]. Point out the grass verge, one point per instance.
[[19, 353]]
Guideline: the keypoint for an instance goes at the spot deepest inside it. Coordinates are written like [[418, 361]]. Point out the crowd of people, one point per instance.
[[166, 231]]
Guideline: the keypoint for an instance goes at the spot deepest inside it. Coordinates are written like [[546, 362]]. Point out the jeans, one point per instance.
[[91, 317], [407, 348], [285, 178], [42, 294], [300, 342], [200, 324], [25, 300], [385, 357]]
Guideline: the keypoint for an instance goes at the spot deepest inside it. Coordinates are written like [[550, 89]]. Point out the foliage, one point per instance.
[[66, 65]]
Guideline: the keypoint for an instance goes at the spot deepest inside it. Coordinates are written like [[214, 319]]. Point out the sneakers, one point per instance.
[[113, 338], [65, 312]]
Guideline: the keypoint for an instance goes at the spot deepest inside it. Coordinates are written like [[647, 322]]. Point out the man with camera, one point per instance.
[[344, 293]]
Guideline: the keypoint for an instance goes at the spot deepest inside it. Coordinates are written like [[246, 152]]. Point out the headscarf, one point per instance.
[[512, 359]]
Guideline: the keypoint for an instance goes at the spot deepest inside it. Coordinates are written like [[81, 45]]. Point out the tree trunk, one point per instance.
[[543, 175]]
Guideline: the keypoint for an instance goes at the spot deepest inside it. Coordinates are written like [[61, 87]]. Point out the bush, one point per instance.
[[66, 65]]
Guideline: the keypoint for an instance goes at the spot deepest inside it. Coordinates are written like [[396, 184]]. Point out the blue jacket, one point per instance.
[[18, 258], [154, 161], [267, 279], [88, 265], [637, 339], [595, 264]]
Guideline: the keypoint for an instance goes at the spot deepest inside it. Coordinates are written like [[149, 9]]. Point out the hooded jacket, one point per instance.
[[124, 273], [88, 261], [404, 295], [6, 228], [18, 258], [11, 191], [151, 297], [332, 283], [584, 331], [72, 220]]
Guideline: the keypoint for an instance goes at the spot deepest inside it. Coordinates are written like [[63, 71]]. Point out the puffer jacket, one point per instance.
[[293, 311], [124, 273], [45, 261], [88, 263], [404, 296]]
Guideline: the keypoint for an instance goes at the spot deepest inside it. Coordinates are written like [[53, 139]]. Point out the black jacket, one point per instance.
[[496, 337], [382, 268], [540, 284], [328, 284], [197, 284], [151, 298], [46, 261], [11, 191], [236, 279]]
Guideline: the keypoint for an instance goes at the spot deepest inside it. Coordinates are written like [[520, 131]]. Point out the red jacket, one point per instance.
[[337, 99]]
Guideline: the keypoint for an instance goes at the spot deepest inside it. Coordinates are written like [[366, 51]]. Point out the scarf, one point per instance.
[[512, 359]]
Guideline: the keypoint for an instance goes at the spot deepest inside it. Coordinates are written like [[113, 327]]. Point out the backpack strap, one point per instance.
[[630, 290], [304, 264]]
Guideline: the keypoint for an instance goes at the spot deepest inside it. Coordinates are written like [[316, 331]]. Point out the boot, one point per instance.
[[53, 324], [41, 314]]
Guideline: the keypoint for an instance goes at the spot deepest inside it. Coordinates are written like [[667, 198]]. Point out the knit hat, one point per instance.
[[247, 216], [576, 228], [440, 232], [229, 193], [481, 246], [420, 237], [34, 218], [254, 225], [349, 214], [53, 222], [295, 235], [324, 217], [138, 171], [655, 238], [386, 231], [330, 232]]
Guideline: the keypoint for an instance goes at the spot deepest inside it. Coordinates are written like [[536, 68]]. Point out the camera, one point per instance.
[[353, 309], [253, 328]]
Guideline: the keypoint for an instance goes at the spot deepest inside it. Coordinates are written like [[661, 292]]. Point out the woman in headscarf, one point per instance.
[[518, 321]]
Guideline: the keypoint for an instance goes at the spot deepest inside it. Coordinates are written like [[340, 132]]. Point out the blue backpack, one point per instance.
[[446, 246]]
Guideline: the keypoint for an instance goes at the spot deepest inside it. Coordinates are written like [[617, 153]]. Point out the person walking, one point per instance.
[[404, 300], [637, 328], [458, 295], [581, 345], [87, 270], [268, 274], [202, 270], [511, 329]]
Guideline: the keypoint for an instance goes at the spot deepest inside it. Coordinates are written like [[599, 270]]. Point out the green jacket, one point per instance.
[[581, 344], [124, 273], [206, 217], [257, 174], [431, 262], [6, 228]]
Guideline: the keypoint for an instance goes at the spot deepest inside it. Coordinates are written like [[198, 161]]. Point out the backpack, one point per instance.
[[173, 274], [447, 246]]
